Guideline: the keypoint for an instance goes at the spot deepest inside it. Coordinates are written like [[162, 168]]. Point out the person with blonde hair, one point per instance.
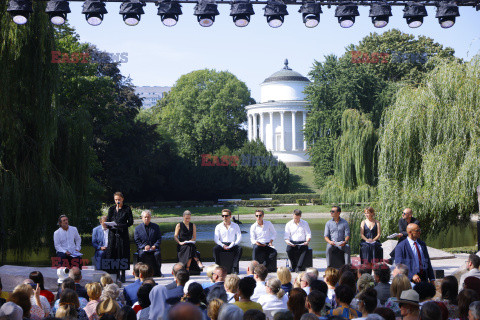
[[210, 269], [297, 283], [370, 232], [313, 271], [399, 283], [214, 308], [275, 298], [69, 306], [105, 279], [231, 286], [94, 291], [186, 236], [44, 303], [36, 310], [285, 277], [331, 278], [108, 306]]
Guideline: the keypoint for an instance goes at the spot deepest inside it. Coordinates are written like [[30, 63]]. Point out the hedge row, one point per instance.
[[283, 198], [186, 204]]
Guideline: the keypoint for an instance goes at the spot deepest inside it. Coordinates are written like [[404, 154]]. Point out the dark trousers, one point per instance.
[[72, 262], [264, 254], [297, 255], [98, 259], [146, 257], [236, 250]]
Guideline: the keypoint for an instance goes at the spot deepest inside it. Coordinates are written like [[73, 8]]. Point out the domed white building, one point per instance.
[[278, 120]]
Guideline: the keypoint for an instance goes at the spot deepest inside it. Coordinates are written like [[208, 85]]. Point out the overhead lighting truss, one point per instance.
[[241, 10]]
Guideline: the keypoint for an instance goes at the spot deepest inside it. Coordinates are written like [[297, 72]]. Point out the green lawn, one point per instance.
[[302, 180], [206, 211]]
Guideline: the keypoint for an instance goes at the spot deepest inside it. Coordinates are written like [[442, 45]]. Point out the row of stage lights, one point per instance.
[[241, 10]]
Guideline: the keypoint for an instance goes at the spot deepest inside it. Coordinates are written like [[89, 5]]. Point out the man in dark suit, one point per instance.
[[100, 241], [413, 253], [218, 277], [174, 295], [148, 237], [405, 220]]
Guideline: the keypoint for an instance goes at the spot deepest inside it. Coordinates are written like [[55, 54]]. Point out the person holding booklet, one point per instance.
[[67, 241], [297, 237], [337, 235], [186, 236]]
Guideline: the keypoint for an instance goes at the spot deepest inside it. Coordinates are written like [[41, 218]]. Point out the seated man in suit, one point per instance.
[[413, 253], [148, 237], [262, 234], [405, 220], [174, 295], [100, 241], [141, 271]]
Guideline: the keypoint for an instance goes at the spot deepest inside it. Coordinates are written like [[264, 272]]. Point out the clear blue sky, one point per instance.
[[158, 55]]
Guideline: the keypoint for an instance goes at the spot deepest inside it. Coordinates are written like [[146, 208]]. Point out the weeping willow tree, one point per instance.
[[32, 191], [354, 163], [430, 149]]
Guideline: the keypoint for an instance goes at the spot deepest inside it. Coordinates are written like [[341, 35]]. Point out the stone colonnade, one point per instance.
[[254, 134]]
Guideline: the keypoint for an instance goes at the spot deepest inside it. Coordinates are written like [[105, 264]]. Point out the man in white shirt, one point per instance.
[[260, 274], [473, 263], [297, 237], [262, 234], [67, 241], [227, 237]]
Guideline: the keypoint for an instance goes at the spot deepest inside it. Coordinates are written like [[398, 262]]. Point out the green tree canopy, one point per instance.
[[204, 110], [430, 149]]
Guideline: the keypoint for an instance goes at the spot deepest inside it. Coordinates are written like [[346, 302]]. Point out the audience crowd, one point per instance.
[[347, 293]]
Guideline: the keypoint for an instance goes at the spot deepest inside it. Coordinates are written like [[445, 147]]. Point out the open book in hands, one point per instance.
[[394, 235]]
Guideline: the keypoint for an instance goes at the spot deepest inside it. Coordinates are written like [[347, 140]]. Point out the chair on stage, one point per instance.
[[337, 258], [148, 259], [225, 259]]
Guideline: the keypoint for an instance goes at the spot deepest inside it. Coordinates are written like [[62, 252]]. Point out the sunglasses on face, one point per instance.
[[258, 215], [225, 215], [333, 211]]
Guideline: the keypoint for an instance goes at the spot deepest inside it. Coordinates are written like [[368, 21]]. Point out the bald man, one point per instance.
[[413, 253]]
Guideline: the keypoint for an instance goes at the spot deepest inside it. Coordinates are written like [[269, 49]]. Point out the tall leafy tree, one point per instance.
[[429, 148], [204, 111]]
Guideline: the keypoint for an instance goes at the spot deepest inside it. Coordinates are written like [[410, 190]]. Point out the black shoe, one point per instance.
[[389, 261]]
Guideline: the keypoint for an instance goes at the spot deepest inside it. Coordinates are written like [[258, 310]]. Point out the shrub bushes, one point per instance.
[[302, 202]]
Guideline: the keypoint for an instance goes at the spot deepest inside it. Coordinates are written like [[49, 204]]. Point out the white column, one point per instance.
[[249, 121], [262, 131], [272, 132], [294, 133], [255, 133], [282, 124], [304, 122]]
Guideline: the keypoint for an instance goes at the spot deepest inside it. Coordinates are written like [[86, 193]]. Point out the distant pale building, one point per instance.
[[278, 120], [151, 95]]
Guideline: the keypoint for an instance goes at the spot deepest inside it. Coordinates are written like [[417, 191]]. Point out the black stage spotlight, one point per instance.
[[311, 13], [132, 11], [414, 14], [275, 11], [169, 12], [446, 13], [206, 10], [58, 9], [20, 10], [380, 13], [346, 14], [241, 11], [94, 11]]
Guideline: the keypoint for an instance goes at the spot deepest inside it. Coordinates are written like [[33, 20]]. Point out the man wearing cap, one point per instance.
[[337, 235], [297, 237], [414, 254], [409, 304]]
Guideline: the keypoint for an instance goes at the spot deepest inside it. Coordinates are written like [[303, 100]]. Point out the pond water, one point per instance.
[[455, 237]]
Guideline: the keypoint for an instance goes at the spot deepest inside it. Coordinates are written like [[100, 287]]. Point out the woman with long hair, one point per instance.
[[296, 303], [69, 306], [400, 283], [94, 291], [37, 277]]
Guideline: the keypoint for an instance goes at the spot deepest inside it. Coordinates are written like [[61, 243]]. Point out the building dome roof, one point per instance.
[[286, 74]]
